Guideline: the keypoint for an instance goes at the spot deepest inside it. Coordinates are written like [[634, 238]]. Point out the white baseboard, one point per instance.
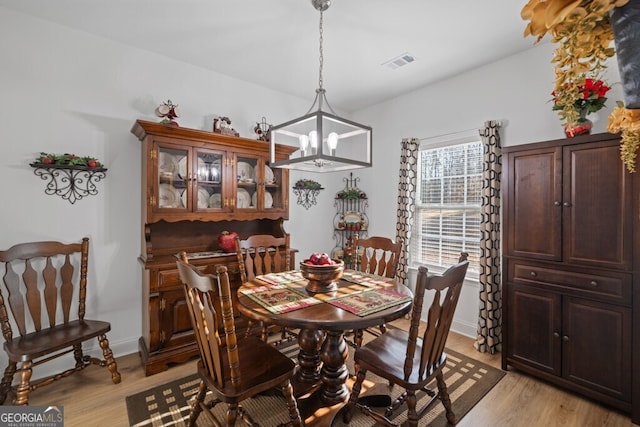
[[465, 328]]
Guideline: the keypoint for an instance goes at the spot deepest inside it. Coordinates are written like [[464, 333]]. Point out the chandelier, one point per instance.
[[324, 142]]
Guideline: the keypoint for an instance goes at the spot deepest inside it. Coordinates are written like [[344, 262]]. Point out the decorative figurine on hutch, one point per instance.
[[263, 130], [222, 124], [168, 111]]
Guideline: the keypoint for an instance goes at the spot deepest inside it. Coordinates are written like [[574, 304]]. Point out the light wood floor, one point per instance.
[[91, 399]]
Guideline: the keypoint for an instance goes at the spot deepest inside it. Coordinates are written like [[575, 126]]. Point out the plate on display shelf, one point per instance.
[[167, 164], [203, 198], [350, 217], [243, 199], [168, 197], [245, 172], [182, 167], [269, 177], [268, 200], [215, 201]]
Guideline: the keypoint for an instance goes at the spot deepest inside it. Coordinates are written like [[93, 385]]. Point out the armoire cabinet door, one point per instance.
[[596, 349], [534, 204], [597, 223], [534, 328]]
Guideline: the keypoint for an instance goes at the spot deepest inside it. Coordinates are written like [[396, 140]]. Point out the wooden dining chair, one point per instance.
[[409, 361], [46, 290], [262, 254], [376, 255], [234, 370]]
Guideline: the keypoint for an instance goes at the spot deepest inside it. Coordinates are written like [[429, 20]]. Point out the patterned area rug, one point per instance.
[[468, 380]]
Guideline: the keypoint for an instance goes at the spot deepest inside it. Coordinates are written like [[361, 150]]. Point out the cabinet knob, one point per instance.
[[565, 338], [533, 274], [556, 203], [566, 204], [593, 283], [556, 335]]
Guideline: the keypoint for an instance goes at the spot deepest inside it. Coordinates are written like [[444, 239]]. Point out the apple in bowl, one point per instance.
[[320, 259], [322, 272]]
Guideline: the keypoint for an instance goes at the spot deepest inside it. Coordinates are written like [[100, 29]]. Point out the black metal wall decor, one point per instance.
[[71, 182], [263, 130], [307, 191]]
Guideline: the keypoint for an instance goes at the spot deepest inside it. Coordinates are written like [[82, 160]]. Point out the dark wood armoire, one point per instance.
[[571, 254]]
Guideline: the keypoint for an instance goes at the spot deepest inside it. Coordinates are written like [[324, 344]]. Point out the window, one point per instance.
[[447, 211]]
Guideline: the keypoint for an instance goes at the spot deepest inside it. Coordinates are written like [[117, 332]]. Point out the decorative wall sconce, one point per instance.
[[307, 191], [69, 176]]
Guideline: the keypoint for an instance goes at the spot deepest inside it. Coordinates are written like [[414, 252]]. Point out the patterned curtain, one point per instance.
[[489, 339], [406, 201]]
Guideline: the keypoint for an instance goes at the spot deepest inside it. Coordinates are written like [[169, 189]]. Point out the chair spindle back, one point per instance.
[[447, 288], [262, 254], [377, 255], [61, 268], [201, 291]]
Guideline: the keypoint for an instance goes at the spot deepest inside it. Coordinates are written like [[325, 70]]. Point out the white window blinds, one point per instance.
[[447, 214]]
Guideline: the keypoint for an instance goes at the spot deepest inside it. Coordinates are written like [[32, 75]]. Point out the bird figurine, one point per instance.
[[168, 111], [222, 124]]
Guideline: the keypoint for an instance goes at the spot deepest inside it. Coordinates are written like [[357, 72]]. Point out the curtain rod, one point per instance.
[[466, 131]]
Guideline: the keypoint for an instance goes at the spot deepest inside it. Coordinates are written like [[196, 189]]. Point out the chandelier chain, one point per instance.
[[321, 52]]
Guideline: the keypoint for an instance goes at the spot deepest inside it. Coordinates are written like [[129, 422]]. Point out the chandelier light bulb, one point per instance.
[[313, 139], [304, 143], [332, 141]]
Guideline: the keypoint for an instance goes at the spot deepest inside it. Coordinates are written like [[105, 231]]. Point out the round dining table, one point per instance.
[[323, 350]]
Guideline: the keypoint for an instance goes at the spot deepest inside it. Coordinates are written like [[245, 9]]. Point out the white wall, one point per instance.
[[515, 91], [67, 91]]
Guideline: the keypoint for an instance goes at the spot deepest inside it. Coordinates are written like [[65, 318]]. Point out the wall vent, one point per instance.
[[399, 61]]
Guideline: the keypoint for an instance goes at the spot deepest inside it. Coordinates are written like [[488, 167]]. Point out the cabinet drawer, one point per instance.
[[612, 287], [169, 279]]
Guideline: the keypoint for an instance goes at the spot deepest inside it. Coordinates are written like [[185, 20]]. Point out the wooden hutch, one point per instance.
[[571, 260], [196, 184]]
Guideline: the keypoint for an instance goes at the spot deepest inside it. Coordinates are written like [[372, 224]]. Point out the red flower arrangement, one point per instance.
[[587, 97], [580, 100]]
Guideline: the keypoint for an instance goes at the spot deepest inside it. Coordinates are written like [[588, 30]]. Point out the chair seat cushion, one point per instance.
[[385, 356], [51, 340], [262, 367]]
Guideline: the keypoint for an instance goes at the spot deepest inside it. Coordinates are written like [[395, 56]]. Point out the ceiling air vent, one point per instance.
[[399, 61]]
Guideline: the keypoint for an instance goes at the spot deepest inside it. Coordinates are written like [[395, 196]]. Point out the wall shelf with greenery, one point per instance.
[[307, 191], [69, 176]]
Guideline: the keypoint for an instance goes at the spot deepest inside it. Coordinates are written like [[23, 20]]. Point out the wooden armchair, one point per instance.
[[262, 254], [411, 362], [375, 255], [55, 274], [234, 370]]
